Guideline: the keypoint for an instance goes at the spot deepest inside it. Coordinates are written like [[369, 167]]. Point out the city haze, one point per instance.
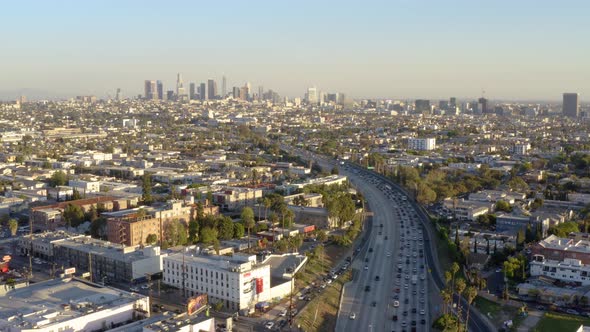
[[374, 49]]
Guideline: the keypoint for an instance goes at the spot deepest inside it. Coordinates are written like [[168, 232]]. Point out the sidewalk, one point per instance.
[[495, 299], [529, 323]]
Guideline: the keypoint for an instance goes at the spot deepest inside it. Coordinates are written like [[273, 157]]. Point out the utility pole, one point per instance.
[[31, 249], [90, 265], [291, 303]]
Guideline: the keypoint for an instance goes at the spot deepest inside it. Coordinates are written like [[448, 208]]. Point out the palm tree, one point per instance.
[[267, 203], [12, 226], [459, 287], [248, 219], [454, 270], [447, 297], [470, 294]]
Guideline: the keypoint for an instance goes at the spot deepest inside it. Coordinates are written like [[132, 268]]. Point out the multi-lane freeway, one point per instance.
[[392, 302], [390, 289]]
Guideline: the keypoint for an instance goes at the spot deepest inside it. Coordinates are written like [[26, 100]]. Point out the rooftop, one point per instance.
[[53, 301], [107, 249]]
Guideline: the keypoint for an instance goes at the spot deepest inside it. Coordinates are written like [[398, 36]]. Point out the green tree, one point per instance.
[[564, 229], [58, 178], [321, 236], [208, 235], [73, 215], [247, 217], [151, 239], [239, 230], [12, 226], [146, 186], [98, 228], [226, 229], [518, 184], [503, 206], [76, 195], [193, 231]]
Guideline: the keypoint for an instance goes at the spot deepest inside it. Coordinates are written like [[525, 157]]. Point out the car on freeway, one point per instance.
[[395, 304], [269, 325], [352, 316]]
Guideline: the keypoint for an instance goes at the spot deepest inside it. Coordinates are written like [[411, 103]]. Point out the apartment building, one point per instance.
[[49, 217], [569, 270], [422, 144], [237, 281], [235, 198], [558, 249]]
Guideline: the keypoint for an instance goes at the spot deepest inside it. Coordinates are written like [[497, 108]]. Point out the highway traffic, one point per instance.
[[390, 289]]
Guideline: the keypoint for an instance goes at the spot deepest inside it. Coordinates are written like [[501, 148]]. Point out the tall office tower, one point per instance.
[[453, 102], [150, 89], [170, 95], [244, 92], [223, 86], [118, 95], [422, 105], [179, 86], [483, 105], [322, 97], [312, 96], [260, 92], [570, 105], [340, 97], [211, 89], [443, 104], [203, 92], [160, 90], [236, 92], [191, 91]]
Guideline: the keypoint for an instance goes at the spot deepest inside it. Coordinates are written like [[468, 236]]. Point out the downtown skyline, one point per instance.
[[531, 50]]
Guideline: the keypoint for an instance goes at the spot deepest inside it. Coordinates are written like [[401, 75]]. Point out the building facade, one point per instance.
[[569, 270], [422, 144], [238, 282]]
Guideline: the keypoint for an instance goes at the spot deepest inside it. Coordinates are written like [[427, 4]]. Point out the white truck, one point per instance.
[[414, 279]]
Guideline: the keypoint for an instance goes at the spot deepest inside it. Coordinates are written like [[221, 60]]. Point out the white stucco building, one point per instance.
[[568, 270]]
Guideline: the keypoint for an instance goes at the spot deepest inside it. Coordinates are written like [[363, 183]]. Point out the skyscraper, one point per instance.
[[453, 102], [422, 105], [570, 105], [223, 87], [203, 91], [211, 89], [191, 91], [483, 105], [260, 92], [179, 86], [312, 96], [160, 90], [236, 92], [150, 89], [118, 95]]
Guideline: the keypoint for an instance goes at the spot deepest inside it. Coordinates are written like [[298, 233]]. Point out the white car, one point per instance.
[[422, 312], [134, 289], [366, 267], [145, 286], [395, 304], [269, 325], [283, 313], [352, 315]]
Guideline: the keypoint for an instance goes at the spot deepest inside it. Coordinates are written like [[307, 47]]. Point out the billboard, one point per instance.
[[70, 270], [259, 285], [195, 303]]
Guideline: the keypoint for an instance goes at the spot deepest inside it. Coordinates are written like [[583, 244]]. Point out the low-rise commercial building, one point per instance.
[[69, 305], [235, 198], [107, 260]]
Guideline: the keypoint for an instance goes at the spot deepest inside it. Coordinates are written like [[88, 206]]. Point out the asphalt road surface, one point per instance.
[[402, 288]]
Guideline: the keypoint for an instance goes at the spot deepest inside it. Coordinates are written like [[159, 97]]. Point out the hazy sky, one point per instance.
[[512, 49]]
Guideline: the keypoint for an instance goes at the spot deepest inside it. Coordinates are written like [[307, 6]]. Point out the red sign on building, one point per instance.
[[259, 285]]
